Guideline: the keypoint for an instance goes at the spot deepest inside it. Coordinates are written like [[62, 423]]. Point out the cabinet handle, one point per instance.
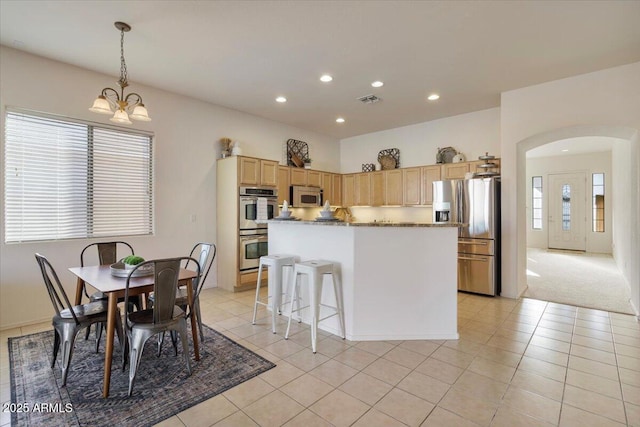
[[472, 259], [466, 242]]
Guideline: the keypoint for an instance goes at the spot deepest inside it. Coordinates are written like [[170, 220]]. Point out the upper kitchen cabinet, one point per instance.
[[332, 188], [362, 189], [283, 184], [348, 190], [455, 170], [378, 190], [306, 177], [393, 187], [411, 186], [258, 171], [429, 174]]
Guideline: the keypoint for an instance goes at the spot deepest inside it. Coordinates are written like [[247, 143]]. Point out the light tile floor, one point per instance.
[[517, 363]]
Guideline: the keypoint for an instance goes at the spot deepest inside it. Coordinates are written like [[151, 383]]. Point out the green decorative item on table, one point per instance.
[[132, 260]]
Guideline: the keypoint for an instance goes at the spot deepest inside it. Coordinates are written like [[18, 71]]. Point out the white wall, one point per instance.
[[589, 164], [187, 132], [603, 103], [473, 134]]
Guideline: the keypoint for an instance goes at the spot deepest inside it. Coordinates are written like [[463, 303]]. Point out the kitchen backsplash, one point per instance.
[[420, 214]]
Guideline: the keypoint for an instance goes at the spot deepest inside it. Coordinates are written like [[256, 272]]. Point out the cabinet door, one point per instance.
[[393, 186], [411, 186], [455, 170], [377, 188], [314, 178], [337, 188], [269, 173], [327, 188], [429, 174], [348, 190], [283, 184], [249, 171], [298, 176], [363, 189]]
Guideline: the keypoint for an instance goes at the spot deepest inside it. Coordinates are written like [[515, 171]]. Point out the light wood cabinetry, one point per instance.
[[455, 170], [377, 188], [363, 189], [254, 171], [348, 190], [298, 176], [411, 186], [283, 184], [393, 187], [428, 175], [337, 189], [314, 178]]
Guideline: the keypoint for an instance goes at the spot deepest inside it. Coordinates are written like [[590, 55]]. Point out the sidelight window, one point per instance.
[[598, 202], [536, 202]]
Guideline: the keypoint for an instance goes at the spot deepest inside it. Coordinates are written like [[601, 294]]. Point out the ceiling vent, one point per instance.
[[369, 99]]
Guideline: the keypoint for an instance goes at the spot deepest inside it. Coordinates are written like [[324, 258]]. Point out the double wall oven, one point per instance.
[[253, 233]]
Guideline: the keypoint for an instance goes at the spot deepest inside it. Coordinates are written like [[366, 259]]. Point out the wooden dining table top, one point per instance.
[[100, 277]]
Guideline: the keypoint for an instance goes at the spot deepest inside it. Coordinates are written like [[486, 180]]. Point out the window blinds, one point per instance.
[[67, 179]]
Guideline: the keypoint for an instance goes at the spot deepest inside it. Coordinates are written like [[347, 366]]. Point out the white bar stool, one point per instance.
[[315, 271], [277, 264]]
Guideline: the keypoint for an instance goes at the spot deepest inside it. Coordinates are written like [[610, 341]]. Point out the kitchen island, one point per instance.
[[399, 279]]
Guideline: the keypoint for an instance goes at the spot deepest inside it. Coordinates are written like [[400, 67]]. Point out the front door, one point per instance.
[[567, 213]]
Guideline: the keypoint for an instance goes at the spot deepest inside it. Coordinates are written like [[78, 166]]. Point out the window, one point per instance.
[[536, 201], [598, 202], [68, 179], [566, 207]]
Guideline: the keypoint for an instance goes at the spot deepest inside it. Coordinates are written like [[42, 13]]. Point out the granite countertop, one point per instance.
[[364, 224]]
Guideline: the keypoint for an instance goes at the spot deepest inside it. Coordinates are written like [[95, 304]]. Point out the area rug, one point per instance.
[[161, 390]]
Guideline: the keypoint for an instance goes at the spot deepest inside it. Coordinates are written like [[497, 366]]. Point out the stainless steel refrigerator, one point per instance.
[[475, 203]]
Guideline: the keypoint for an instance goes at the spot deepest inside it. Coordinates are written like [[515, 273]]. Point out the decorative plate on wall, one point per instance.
[[300, 149], [446, 155]]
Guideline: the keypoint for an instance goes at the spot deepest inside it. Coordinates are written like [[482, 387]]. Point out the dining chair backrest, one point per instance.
[[166, 274], [107, 252], [205, 259], [56, 292]]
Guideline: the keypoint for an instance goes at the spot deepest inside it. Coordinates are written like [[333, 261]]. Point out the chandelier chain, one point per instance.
[[123, 64]]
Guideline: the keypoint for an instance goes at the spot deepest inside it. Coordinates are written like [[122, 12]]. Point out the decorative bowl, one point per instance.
[[326, 214], [285, 214]]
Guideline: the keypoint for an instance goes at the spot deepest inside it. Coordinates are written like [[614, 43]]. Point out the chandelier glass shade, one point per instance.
[[110, 101]]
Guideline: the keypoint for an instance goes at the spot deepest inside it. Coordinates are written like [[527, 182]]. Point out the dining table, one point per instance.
[[101, 278]]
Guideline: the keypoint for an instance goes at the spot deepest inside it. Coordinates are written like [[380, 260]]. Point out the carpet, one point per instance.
[[577, 278], [161, 390]]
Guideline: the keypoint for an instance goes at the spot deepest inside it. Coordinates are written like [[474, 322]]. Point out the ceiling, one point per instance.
[[243, 54]]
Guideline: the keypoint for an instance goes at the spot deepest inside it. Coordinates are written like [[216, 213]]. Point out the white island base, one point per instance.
[[399, 281]]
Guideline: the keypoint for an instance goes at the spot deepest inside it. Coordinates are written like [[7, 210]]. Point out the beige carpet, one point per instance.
[[581, 279]]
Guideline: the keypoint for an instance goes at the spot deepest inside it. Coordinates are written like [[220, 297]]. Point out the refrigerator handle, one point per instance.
[[472, 259]]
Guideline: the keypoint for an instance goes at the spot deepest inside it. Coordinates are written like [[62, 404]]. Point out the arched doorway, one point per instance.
[[626, 227]]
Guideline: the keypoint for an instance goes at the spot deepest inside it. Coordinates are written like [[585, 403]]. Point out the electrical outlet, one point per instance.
[[192, 217]]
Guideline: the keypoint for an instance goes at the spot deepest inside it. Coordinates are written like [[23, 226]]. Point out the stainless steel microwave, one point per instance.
[[305, 197]]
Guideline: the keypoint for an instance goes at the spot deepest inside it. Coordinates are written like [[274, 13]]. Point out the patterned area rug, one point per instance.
[[161, 390]]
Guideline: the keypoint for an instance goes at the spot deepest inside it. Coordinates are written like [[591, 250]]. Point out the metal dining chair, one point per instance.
[[107, 255], [206, 255], [70, 319], [164, 316]]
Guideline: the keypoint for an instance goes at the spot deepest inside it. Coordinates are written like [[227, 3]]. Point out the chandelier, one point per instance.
[[111, 102]]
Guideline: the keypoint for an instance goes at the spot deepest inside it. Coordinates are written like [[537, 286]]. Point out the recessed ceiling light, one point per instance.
[[377, 83], [565, 150], [326, 78], [433, 97], [281, 99], [339, 120]]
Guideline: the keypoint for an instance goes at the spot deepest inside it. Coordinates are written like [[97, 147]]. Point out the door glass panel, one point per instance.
[[251, 211], [598, 203], [566, 207], [252, 251]]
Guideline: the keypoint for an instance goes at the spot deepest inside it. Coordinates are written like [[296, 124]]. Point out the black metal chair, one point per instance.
[[164, 316], [70, 319], [107, 255]]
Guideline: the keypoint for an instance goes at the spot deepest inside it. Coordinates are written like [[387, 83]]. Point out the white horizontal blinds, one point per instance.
[[121, 202], [67, 179]]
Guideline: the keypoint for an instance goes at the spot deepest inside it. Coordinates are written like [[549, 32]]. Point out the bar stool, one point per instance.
[[277, 264], [315, 271]]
